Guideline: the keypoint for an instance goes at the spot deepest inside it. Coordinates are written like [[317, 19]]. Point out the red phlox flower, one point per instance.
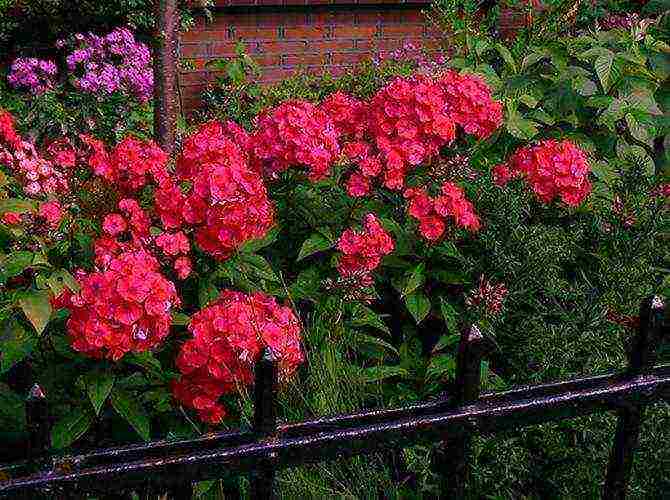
[[296, 133], [126, 306], [8, 132], [349, 115], [62, 153], [362, 251], [130, 165], [173, 244], [11, 218], [227, 204], [408, 123], [52, 212], [470, 103], [183, 267], [229, 336], [433, 213], [114, 224], [554, 169]]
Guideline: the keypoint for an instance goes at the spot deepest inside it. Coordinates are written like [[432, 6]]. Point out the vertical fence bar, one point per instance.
[[627, 435], [452, 458], [37, 420], [265, 423]]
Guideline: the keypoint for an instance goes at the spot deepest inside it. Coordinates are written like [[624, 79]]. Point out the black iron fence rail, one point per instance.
[[174, 465]]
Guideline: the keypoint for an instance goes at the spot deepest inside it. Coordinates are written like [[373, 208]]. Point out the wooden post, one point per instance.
[[265, 423], [37, 420], [626, 439], [165, 74]]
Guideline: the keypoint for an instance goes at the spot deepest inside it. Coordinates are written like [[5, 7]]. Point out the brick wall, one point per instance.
[[294, 36]]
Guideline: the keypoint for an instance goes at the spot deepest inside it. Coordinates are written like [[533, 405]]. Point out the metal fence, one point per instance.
[[171, 467]]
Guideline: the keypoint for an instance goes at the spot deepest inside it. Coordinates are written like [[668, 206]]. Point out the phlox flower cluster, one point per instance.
[[229, 336], [39, 174], [296, 133], [35, 75], [470, 103], [407, 122], [362, 251], [227, 201], [130, 165], [619, 21], [553, 169], [176, 247], [489, 295], [111, 63], [433, 213], [123, 232], [125, 306]]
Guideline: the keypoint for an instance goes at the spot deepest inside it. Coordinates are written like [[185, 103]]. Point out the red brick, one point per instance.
[[369, 17], [348, 58], [281, 46], [308, 32], [222, 49], [200, 49], [402, 30], [348, 31], [255, 32], [303, 59]]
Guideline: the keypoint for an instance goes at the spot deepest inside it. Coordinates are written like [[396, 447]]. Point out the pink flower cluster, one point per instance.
[[130, 165], [433, 213], [111, 63], [470, 103], [40, 174], [553, 169], [126, 306], [407, 122], [362, 251], [296, 133], [489, 295], [229, 336], [227, 202], [35, 75]]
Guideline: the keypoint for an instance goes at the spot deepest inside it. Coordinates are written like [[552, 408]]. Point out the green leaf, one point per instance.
[[12, 409], [16, 205], [313, 244], [519, 127], [636, 155], [603, 67], [506, 56], [528, 100], [532, 58], [441, 366], [16, 344], [369, 340], [14, 264], [306, 285], [414, 279], [37, 308], [71, 427], [207, 292], [61, 279], [256, 265], [132, 412], [364, 316], [254, 246], [378, 373], [180, 319], [542, 116], [418, 305], [446, 341], [638, 131], [449, 315], [98, 387]]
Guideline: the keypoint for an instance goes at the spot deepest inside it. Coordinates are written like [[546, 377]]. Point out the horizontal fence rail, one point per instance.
[[450, 422]]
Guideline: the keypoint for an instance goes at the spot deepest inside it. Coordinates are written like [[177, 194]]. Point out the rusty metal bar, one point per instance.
[[316, 442], [626, 439], [265, 424]]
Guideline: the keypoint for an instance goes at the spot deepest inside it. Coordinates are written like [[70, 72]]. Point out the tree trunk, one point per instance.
[[165, 74]]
